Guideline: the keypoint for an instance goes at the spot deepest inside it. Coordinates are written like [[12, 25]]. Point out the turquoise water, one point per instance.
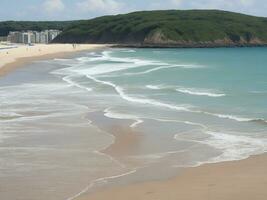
[[239, 75], [225, 81], [187, 106], [220, 92]]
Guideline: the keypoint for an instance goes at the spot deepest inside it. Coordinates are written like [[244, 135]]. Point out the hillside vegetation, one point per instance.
[[170, 28], [7, 26]]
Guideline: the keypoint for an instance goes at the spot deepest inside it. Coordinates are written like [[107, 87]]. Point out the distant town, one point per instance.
[[31, 37]]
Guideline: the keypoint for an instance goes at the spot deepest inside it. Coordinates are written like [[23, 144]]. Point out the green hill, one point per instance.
[[197, 28], [7, 26]]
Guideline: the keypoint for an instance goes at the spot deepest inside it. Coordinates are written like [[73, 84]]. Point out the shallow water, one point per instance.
[[187, 107]]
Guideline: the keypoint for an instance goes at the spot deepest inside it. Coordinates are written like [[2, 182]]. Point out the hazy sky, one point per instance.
[[84, 9]]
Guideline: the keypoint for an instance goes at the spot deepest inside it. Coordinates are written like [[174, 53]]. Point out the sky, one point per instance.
[[86, 9]]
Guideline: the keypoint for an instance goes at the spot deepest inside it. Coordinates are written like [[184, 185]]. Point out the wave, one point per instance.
[[115, 115], [234, 147], [114, 65], [236, 118], [69, 80], [100, 180], [239, 119], [145, 62], [129, 63], [189, 66], [148, 71], [129, 51], [152, 102], [199, 92], [191, 91], [155, 87], [260, 120], [184, 108], [126, 97], [165, 66]]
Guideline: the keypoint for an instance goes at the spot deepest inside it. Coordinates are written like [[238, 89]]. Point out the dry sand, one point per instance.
[[11, 58], [236, 180]]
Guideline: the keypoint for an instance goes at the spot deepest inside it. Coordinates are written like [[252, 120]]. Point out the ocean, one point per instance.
[[59, 118]]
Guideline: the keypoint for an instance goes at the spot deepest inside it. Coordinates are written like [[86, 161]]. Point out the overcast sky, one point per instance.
[[84, 9]]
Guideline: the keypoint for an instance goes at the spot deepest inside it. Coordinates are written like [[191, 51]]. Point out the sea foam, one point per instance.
[[133, 99], [234, 147], [116, 115], [199, 92], [130, 63]]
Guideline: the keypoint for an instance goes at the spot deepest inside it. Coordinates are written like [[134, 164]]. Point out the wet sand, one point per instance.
[[126, 141], [236, 180], [233, 180]]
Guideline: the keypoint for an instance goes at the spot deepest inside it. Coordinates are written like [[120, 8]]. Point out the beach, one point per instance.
[[235, 180], [96, 123], [21, 54]]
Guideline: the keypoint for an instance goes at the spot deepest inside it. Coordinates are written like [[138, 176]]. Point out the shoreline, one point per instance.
[[214, 181], [186, 46], [226, 180], [230, 180], [13, 58]]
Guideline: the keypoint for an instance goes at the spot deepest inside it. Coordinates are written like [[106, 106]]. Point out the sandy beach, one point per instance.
[[13, 57], [236, 180]]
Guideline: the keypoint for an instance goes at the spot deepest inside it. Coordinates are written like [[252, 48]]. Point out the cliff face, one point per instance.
[[157, 38], [193, 28]]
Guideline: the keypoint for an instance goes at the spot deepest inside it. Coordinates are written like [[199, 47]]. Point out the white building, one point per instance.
[[29, 37]]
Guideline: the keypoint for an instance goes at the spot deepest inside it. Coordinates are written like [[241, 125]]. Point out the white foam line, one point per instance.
[[179, 121], [106, 55], [136, 123], [114, 115], [148, 71], [192, 165], [139, 120], [104, 179], [240, 119], [72, 83], [158, 155], [124, 96], [232, 117], [192, 91], [128, 51], [155, 87], [126, 63], [100, 180], [232, 147], [99, 152], [165, 66], [152, 102], [110, 157], [235, 147]]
